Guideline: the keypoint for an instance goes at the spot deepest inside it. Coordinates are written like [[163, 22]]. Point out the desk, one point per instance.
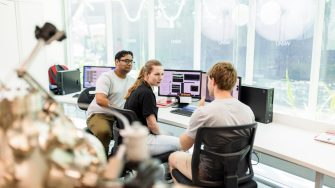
[[69, 104], [294, 145], [67, 99]]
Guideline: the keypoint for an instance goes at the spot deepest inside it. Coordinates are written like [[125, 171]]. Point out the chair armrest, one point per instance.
[[180, 178]]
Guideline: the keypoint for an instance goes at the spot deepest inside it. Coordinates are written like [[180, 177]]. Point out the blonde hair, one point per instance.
[[224, 75], [146, 69]]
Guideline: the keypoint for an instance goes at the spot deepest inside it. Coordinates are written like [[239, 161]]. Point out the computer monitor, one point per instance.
[[68, 81], [92, 73], [235, 93], [180, 81]]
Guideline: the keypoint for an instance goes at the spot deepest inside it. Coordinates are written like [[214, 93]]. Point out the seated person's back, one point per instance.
[[218, 113], [223, 111]]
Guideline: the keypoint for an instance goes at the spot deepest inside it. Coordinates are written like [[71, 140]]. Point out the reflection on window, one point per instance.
[[130, 31], [174, 33], [326, 94], [222, 23], [283, 49], [88, 37]]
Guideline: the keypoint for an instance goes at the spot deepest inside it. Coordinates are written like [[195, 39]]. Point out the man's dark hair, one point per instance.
[[123, 53]]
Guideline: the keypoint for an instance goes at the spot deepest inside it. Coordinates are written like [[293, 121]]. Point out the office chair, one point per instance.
[[85, 98], [222, 158], [131, 116]]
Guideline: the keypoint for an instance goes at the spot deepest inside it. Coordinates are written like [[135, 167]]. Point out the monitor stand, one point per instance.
[[183, 101]]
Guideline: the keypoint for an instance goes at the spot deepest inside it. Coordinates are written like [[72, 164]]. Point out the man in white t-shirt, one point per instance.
[[224, 110], [111, 88]]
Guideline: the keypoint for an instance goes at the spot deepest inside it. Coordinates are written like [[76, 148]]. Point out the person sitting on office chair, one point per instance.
[[225, 110], [141, 99], [111, 88]]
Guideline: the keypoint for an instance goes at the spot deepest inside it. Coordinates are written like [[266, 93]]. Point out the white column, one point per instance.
[[197, 36], [250, 43], [316, 56]]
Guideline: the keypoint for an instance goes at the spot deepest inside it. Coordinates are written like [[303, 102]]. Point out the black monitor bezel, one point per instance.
[[181, 70], [112, 68]]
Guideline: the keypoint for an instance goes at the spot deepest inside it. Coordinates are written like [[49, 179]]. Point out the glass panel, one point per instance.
[[88, 33], [174, 33], [326, 94], [224, 33], [283, 49], [130, 29]]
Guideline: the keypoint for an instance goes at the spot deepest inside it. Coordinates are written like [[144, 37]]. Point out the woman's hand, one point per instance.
[[152, 124]]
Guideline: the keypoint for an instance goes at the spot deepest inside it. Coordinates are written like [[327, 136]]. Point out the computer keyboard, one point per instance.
[[182, 112]]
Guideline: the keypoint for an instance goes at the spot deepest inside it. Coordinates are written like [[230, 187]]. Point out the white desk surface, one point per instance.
[[68, 99], [292, 144]]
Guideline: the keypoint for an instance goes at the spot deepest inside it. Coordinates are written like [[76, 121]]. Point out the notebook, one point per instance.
[[328, 137]]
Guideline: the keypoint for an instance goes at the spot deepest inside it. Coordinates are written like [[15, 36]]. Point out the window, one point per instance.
[[130, 29], [87, 33], [283, 50], [290, 47], [326, 92], [174, 33], [223, 33]]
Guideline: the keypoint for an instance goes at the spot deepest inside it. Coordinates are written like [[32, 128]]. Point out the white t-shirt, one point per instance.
[[114, 87], [218, 113]]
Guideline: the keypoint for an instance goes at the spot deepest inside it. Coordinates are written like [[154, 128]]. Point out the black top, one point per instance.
[[143, 102]]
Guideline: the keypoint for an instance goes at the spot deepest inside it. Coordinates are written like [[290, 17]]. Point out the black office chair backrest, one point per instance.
[[131, 117], [129, 114], [222, 156], [85, 98]]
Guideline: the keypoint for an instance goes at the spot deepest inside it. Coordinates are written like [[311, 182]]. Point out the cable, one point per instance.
[[256, 155]]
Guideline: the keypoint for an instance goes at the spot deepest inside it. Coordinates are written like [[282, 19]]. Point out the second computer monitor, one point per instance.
[[92, 73], [180, 81], [235, 92]]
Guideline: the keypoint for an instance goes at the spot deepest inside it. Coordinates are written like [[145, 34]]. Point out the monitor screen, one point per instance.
[[92, 73], [180, 81], [235, 93]]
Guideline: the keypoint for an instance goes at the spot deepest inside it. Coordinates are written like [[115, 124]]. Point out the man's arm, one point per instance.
[[102, 99], [103, 85], [152, 124], [186, 142]]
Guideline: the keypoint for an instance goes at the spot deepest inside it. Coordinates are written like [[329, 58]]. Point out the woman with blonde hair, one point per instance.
[[141, 99]]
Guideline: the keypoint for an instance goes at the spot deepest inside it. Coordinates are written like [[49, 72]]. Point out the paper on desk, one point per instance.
[[164, 103], [328, 137]]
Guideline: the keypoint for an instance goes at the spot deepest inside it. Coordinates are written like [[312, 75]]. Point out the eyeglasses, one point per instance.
[[128, 61]]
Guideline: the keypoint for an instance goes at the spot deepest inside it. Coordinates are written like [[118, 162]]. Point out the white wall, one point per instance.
[[9, 52], [18, 20]]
